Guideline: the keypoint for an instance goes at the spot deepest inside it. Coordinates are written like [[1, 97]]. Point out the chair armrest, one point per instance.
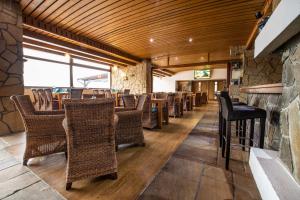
[[122, 109], [130, 116], [43, 124], [52, 112]]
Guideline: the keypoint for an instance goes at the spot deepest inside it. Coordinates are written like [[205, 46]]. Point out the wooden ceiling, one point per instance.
[[128, 25]]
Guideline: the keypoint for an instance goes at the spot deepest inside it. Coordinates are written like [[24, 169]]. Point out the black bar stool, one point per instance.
[[239, 113], [239, 123]]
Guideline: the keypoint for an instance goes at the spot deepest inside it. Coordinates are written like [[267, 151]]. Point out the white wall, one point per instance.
[[167, 84]]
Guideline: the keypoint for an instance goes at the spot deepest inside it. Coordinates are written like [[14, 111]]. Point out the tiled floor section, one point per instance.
[[18, 182], [196, 170]]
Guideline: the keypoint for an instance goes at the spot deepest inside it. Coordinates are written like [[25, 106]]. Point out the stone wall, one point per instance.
[[136, 78], [261, 71], [11, 65], [290, 114]]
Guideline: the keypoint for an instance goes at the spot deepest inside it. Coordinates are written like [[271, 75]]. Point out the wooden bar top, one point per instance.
[[275, 88]]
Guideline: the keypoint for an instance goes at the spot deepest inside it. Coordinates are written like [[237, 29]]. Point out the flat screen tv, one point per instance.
[[200, 74]]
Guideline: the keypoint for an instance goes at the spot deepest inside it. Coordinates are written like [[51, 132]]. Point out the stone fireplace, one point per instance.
[[11, 65]]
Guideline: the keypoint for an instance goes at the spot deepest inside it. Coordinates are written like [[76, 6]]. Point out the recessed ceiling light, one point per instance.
[[151, 40], [176, 58], [201, 58], [190, 39]]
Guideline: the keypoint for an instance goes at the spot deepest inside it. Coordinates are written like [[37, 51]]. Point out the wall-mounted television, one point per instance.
[[201, 74]]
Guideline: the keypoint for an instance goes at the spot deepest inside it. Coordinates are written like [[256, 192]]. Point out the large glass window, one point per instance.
[[46, 69], [90, 78], [46, 74]]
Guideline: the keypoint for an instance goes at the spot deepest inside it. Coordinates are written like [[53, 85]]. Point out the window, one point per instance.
[[90, 78], [41, 69], [46, 74], [52, 70]]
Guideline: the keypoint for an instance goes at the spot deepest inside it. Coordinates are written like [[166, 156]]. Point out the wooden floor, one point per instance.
[[137, 166]]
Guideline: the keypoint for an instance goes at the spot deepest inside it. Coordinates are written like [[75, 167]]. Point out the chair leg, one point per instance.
[[117, 148], [113, 176], [251, 132], [69, 186], [66, 155], [237, 128], [220, 129], [228, 141], [244, 134], [223, 135], [262, 132], [25, 161]]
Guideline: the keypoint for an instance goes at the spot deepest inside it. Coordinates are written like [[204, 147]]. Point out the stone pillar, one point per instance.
[[290, 114], [11, 65], [136, 78]]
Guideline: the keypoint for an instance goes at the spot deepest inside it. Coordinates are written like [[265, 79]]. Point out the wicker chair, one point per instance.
[[127, 91], [52, 104], [130, 128], [150, 115], [93, 96], [179, 98], [36, 99], [128, 101], [76, 93], [174, 106], [90, 129], [44, 132]]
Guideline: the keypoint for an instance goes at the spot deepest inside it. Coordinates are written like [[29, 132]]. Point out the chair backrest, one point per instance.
[[43, 98], [91, 121], [49, 96], [23, 104], [128, 101], [226, 104], [108, 94], [99, 96], [87, 96], [161, 95], [171, 99], [35, 95], [141, 102], [127, 91], [76, 93]]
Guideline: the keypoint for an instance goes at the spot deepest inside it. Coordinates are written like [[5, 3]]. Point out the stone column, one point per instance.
[[11, 65]]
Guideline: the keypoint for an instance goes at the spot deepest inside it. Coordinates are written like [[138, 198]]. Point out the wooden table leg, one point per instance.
[[160, 114], [167, 106]]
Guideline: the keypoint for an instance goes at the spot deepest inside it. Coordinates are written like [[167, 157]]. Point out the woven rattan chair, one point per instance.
[[76, 93], [90, 129], [150, 115], [174, 106], [128, 101], [52, 104], [126, 91], [130, 127], [44, 132], [43, 99], [36, 100]]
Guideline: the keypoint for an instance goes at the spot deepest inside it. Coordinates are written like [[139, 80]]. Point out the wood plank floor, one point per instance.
[[137, 166]]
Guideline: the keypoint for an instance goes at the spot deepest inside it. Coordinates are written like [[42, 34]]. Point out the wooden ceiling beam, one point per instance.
[[32, 22], [213, 62], [158, 71], [67, 45], [249, 43]]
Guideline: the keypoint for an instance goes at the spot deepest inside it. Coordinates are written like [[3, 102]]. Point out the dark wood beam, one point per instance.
[[168, 71], [33, 36], [249, 43], [31, 22], [161, 72], [213, 62], [47, 47]]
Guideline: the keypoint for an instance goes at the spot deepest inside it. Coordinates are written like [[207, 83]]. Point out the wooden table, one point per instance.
[[59, 97], [160, 104]]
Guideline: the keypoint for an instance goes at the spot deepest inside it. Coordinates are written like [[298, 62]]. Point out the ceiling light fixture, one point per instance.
[[176, 58], [151, 40], [190, 39]]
